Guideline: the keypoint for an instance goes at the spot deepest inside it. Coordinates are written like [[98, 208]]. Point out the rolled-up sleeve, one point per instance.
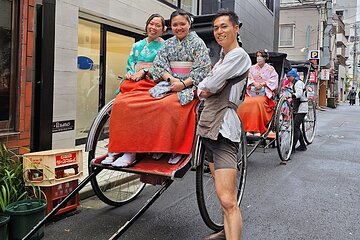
[[234, 64]]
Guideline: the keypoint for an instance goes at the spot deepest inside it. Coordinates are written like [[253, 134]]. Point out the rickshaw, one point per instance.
[[305, 68], [280, 130], [118, 186]]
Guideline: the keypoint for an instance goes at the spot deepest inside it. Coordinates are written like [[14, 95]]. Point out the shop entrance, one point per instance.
[[102, 57]]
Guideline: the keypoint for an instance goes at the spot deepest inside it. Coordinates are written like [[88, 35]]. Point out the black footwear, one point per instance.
[[301, 148], [216, 236]]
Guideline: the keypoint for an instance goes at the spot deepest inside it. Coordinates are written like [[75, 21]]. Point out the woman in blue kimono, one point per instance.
[[139, 66]]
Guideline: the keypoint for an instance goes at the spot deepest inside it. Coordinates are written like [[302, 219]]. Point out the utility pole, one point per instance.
[[355, 60]]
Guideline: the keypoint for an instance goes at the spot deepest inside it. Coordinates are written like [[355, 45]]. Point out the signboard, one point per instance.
[[63, 126], [314, 54], [325, 74], [311, 91], [312, 77]]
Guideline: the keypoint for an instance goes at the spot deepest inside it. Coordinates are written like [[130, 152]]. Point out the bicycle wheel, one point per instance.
[[284, 128], [112, 187], [208, 202], [308, 126]]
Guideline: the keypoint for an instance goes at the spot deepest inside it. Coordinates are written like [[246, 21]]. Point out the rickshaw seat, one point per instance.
[[149, 166]]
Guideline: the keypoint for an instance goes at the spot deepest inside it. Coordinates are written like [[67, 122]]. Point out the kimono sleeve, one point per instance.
[[161, 63], [251, 79], [132, 59], [272, 82], [202, 63]]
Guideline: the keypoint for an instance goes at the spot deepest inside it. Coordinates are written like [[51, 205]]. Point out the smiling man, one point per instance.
[[219, 124]]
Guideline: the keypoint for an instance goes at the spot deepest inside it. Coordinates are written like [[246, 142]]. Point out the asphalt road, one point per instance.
[[315, 196]]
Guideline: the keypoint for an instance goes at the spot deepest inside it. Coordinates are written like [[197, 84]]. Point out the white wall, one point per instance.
[[127, 14]]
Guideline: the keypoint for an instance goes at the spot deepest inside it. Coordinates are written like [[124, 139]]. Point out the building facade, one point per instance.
[[16, 58], [308, 27], [347, 11], [260, 20], [66, 56]]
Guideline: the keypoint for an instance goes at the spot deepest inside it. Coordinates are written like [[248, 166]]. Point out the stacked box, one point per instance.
[[49, 168], [55, 194], [56, 172]]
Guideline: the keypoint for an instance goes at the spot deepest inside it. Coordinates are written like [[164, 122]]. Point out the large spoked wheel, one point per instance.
[[308, 126], [284, 127], [112, 187], [209, 205]]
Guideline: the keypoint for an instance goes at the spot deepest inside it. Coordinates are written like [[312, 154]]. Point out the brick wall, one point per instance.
[[21, 142]]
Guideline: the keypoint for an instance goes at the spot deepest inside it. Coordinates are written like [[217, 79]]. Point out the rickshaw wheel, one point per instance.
[[308, 126], [112, 187], [284, 128], [209, 205]]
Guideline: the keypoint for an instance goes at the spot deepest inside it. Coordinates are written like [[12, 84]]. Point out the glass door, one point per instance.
[[102, 57], [118, 48], [88, 74]]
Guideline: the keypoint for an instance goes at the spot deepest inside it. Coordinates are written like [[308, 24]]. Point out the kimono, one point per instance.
[[142, 53], [144, 124], [190, 49], [256, 112], [265, 74]]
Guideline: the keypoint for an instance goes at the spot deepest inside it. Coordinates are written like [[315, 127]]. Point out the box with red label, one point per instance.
[[55, 194], [48, 168]]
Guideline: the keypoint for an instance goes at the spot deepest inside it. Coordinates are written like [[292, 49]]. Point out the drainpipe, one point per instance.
[[325, 60], [307, 42]]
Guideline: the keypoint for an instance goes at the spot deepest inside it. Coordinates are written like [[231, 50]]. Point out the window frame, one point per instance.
[[177, 5], [9, 125], [293, 35], [269, 4]]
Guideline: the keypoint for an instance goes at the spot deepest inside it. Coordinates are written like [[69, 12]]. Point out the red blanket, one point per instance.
[[256, 113], [141, 123]]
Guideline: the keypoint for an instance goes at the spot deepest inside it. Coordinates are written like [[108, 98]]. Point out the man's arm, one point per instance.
[[234, 64]]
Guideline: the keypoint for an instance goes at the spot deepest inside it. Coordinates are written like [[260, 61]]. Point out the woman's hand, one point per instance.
[[258, 86], [174, 80], [128, 76], [177, 86], [138, 76]]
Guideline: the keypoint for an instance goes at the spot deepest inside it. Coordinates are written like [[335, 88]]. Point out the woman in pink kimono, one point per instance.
[[257, 109]]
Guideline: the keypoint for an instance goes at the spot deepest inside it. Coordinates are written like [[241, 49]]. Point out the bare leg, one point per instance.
[[225, 184]]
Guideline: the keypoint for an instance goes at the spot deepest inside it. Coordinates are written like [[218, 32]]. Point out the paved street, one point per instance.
[[315, 196]]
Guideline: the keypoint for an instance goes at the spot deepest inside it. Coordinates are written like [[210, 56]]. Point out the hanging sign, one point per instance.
[[325, 74]]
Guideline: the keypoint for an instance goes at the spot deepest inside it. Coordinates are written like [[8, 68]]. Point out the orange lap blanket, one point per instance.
[[256, 113], [141, 123]]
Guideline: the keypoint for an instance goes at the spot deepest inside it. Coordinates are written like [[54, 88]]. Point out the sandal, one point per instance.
[[125, 160], [111, 157], [174, 159], [157, 156]]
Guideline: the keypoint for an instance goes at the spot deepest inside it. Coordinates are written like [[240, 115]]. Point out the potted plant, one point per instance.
[[23, 204]]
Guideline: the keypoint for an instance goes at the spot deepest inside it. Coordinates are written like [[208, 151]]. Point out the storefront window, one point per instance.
[[87, 103], [102, 58], [6, 31], [118, 48]]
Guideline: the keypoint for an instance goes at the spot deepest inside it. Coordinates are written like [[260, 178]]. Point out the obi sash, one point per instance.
[[141, 65], [180, 69]]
